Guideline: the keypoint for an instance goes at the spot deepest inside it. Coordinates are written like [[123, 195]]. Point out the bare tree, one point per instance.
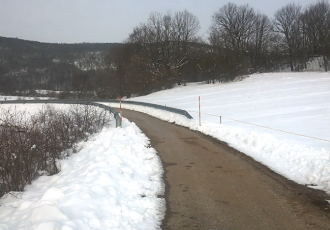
[[233, 28], [164, 41], [287, 22], [261, 42], [316, 29], [236, 25], [185, 27]]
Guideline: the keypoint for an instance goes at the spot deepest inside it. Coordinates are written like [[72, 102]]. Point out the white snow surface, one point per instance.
[[293, 102], [30, 109], [4, 98], [113, 182]]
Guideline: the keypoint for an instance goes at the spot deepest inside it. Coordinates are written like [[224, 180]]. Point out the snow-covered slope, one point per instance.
[[293, 102], [115, 180]]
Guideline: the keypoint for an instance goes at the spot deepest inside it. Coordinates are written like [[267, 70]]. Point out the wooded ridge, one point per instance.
[[166, 50]]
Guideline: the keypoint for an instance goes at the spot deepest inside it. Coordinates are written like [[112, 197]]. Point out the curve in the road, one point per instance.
[[210, 185]]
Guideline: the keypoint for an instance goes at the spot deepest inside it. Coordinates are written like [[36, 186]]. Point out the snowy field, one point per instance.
[[113, 182], [293, 102], [4, 98], [29, 109]]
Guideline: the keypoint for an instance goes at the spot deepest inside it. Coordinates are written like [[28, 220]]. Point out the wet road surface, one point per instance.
[[210, 185]]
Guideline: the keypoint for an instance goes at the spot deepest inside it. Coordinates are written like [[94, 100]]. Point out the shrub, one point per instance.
[[31, 145]]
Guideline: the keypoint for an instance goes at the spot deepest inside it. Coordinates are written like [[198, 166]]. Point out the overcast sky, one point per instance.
[[75, 21]]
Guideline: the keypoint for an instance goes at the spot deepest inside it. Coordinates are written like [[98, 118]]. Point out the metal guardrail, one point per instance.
[[95, 103], [161, 107], [80, 102], [117, 116]]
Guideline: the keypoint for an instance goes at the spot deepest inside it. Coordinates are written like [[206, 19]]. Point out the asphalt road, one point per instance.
[[210, 185]]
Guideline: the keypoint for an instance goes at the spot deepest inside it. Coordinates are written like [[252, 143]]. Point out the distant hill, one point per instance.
[[107, 70], [26, 65]]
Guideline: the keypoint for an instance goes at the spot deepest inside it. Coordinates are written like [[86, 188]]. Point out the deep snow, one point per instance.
[[293, 102], [113, 182]]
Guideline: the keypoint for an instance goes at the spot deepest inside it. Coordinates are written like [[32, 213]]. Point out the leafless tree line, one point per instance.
[[304, 32], [155, 51], [254, 42], [31, 145], [166, 50]]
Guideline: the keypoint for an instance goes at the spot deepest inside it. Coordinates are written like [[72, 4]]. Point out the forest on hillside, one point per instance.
[[166, 50], [27, 65]]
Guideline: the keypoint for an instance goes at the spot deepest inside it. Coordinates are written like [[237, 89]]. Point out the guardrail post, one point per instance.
[[220, 119]]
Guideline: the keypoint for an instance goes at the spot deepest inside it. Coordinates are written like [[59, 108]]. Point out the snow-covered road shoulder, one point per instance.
[[293, 102], [302, 164], [113, 182]]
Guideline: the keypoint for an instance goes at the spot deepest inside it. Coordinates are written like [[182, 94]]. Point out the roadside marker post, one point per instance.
[[121, 114], [199, 102]]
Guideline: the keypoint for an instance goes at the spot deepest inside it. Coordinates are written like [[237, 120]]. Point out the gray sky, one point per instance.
[[75, 21]]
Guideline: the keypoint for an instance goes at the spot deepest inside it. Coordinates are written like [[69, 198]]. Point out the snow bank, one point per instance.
[[112, 183], [302, 164], [296, 102]]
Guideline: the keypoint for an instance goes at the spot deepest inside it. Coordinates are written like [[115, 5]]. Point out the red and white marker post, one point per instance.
[[121, 114], [199, 102]]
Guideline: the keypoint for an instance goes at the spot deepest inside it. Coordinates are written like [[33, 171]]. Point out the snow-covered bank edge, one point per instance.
[[302, 164], [114, 182]]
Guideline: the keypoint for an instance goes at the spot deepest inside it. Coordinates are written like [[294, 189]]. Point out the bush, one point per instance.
[[31, 145]]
